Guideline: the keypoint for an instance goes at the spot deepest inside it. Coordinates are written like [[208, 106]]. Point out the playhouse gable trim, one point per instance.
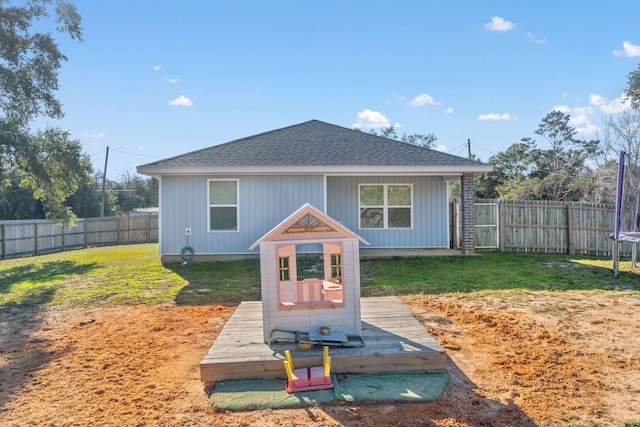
[[305, 224]]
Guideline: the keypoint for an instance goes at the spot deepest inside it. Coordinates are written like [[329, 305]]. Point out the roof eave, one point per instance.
[[157, 171]]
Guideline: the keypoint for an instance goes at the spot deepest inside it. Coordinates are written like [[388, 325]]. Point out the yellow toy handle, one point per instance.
[[327, 367], [289, 369], [288, 365], [326, 361], [287, 355]]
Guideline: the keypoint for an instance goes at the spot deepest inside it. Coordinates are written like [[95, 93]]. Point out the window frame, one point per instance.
[[335, 260], [385, 205], [210, 205], [284, 269]]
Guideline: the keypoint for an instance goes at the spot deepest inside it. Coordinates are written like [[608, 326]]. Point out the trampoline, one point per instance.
[[619, 235]]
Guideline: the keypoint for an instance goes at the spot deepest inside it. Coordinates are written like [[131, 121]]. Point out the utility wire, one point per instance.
[[135, 154]]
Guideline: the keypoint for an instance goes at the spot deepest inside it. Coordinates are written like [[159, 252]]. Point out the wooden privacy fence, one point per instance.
[[545, 226], [507, 225], [36, 237]]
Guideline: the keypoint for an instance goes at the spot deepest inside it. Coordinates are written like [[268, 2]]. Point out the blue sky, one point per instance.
[[157, 79]]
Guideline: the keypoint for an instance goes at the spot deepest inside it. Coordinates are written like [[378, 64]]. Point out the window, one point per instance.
[[223, 205], [385, 206], [336, 266], [284, 268]]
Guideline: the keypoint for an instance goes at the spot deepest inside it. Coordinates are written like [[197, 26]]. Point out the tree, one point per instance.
[[132, 192], [561, 136], [520, 189], [85, 202], [623, 131], [426, 140], [17, 202], [511, 165], [633, 88], [524, 171], [30, 60], [564, 162]]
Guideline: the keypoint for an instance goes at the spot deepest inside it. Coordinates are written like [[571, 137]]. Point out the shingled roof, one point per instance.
[[312, 145]]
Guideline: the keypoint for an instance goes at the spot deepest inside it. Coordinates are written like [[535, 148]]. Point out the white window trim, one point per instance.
[[236, 205], [385, 206]]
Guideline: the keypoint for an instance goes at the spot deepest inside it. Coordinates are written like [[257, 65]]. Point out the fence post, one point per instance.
[[569, 228], [501, 219], [148, 218], [84, 235], [62, 238], [4, 239], [35, 238]]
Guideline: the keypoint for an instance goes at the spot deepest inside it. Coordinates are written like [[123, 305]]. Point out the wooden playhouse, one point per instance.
[[393, 340], [331, 300]]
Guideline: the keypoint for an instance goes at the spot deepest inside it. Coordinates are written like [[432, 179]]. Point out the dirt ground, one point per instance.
[[517, 360]]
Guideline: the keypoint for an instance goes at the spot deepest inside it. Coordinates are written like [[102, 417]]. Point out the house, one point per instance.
[[220, 200], [328, 297]]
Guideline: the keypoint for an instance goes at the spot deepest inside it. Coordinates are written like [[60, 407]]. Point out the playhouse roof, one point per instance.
[[306, 221]]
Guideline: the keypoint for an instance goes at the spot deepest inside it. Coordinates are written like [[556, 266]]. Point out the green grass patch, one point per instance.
[[492, 271], [228, 282], [133, 274], [103, 276]]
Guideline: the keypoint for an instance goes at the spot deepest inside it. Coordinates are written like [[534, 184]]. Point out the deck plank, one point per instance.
[[394, 342]]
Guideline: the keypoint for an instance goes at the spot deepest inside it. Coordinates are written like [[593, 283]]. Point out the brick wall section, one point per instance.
[[467, 214]]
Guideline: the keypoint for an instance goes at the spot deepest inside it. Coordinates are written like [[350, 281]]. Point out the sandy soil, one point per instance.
[[550, 359]]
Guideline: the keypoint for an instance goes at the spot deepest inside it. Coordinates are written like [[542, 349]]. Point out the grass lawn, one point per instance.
[[126, 275]]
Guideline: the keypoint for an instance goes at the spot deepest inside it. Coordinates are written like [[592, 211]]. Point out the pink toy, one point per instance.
[[305, 379]]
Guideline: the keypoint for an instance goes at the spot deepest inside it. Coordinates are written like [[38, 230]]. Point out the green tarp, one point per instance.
[[271, 393]]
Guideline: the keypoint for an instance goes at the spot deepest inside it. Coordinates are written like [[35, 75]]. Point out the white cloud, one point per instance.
[[589, 128], [496, 116], [89, 135], [499, 24], [579, 119], [422, 100], [172, 80], [628, 49], [535, 40], [181, 101], [607, 106], [562, 108], [442, 148], [157, 67], [598, 100], [373, 120], [449, 110]]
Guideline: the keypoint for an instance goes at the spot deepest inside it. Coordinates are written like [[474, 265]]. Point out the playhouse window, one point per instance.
[[385, 206], [223, 205], [284, 268], [336, 266]]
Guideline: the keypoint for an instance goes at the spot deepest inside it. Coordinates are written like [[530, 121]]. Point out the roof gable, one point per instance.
[[311, 144], [308, 223]]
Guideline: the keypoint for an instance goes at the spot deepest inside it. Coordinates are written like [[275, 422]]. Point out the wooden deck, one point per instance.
[[394, 342]]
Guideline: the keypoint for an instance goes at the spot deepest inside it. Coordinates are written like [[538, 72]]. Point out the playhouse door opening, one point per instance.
[[309, 261], [310, 276]]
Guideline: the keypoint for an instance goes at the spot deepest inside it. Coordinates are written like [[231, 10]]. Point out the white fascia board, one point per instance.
[[306, 170]]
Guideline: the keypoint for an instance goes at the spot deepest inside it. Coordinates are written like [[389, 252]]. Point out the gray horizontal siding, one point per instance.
[[430, 211], [264, 202]]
